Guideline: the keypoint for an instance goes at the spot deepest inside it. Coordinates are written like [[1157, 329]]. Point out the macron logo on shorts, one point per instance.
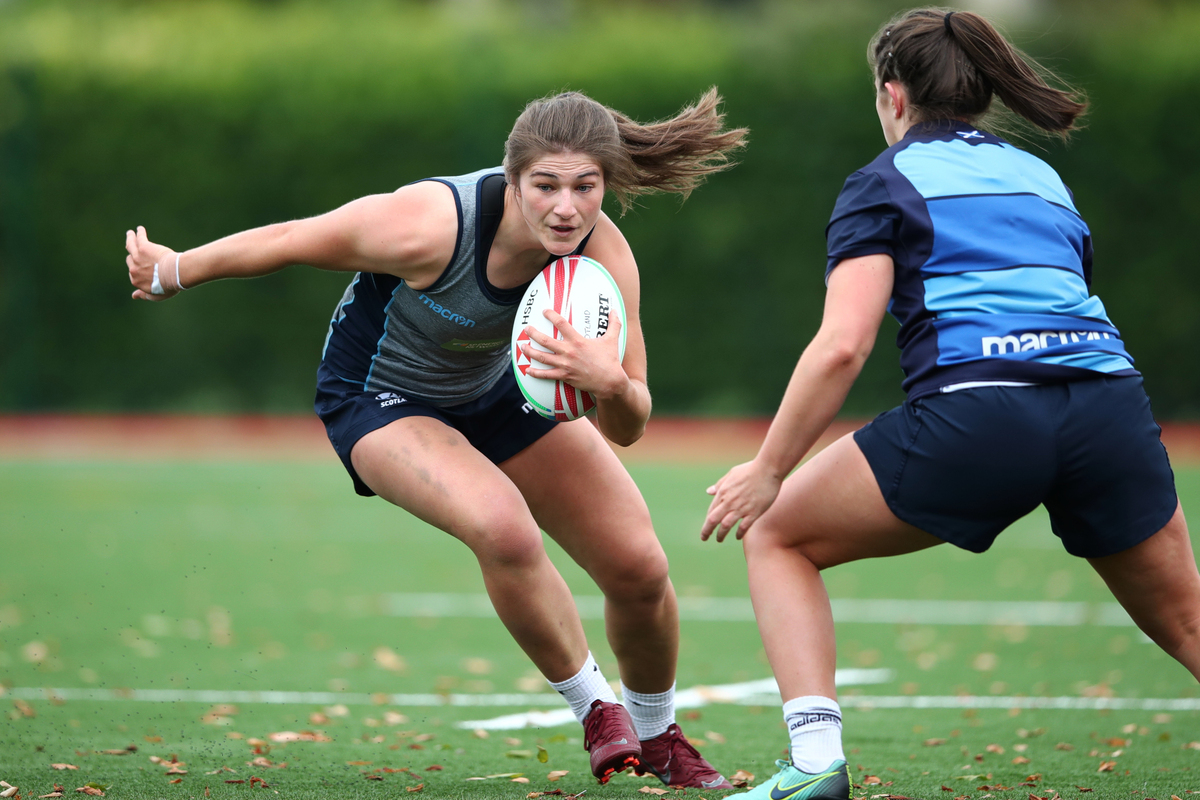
[[389, 399]]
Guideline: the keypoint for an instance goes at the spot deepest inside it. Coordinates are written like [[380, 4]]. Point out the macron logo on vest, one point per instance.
[[999, 345], [446, 313]]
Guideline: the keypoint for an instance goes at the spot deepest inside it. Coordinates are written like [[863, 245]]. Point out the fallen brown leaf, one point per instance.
[[371, 777], [1064, 746], [934, 742], [434, 768], [63, 766], [1020, 760], [741, 779], [1106, 766], [176, 780], [652, 790], [9, 792], [556, 774], [994, 748], [92, 790], [416, 788]]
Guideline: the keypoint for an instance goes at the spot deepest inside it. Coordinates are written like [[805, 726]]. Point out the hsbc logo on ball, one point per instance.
[[389, 399]]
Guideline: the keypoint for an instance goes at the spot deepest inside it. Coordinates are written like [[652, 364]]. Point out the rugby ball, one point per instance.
[[582, 291]]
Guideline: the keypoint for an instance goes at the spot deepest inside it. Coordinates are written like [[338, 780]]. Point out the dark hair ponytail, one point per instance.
[[953, 62]]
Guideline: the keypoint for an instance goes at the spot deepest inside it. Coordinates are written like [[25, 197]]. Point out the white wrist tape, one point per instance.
[[156, 285]]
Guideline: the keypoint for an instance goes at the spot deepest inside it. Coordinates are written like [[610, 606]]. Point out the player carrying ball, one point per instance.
[[417, 393], [1020, 390]]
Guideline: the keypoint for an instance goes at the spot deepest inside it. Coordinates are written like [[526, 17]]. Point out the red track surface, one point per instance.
[[289, 438]]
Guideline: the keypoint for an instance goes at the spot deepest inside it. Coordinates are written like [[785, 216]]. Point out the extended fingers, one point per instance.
[[542, 338]]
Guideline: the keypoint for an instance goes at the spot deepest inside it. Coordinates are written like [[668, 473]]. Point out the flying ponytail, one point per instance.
[[672, 155]]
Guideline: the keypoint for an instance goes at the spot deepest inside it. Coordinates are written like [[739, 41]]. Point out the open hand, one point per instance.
[[590, 365], [743, 495], [144, 259]]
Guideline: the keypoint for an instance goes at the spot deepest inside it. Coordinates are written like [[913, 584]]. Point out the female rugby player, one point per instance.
[[1019, 389], [417, 393]]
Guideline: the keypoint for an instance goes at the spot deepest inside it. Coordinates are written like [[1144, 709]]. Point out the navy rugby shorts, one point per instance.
[[499, 424], [965, 465]]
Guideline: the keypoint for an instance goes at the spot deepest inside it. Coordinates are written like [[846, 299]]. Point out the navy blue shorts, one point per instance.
[[499, 424], [965, 465]]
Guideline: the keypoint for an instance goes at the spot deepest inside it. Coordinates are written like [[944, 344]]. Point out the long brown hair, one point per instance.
[[952, 62], [671, 155]]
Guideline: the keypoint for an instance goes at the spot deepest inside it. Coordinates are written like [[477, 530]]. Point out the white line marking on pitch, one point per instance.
[[738, 609], [688, 698]]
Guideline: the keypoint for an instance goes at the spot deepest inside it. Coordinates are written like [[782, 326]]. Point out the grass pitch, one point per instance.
[[180, 576]]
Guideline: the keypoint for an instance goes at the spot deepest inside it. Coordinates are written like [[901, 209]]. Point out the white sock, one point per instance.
[[586, 687], [815, 726], [652, 713]]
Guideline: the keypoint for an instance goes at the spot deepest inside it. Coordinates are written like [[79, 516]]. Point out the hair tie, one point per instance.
[[946, 21]]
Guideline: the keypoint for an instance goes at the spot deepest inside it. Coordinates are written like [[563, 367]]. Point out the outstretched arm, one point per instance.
[[855, 302], [404, 233]]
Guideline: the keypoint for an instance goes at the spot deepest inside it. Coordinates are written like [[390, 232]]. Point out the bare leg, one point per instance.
[[1158, 584], [431, 471], [830, 511], [583, 497]]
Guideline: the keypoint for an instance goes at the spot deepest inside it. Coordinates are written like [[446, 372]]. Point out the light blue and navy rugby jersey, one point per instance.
[[993, 262]]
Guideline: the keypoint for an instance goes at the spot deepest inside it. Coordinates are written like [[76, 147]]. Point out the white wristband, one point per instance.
[[156, 286], [178, 282]]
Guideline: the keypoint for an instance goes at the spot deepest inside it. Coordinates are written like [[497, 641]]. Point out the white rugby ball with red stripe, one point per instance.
[[582, 291]]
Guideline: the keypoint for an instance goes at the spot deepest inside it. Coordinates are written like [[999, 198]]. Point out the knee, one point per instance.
[[502, 539], [1180, 636], [765, 542], [640, 578]]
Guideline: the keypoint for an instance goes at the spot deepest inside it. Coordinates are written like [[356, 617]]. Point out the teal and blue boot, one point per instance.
[[792, 784]]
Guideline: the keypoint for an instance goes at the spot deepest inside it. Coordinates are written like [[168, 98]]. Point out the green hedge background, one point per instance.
[[200, 118]]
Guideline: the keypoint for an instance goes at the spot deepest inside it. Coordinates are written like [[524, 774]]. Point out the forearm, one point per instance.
[[622, 416], [818, 387], [248, 254]]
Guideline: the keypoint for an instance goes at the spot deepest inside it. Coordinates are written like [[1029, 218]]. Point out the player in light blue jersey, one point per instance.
[[417, 393], [1020, 390]]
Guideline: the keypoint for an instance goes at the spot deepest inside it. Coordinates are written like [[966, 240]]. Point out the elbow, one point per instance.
[[846, 354], [627, 438]]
